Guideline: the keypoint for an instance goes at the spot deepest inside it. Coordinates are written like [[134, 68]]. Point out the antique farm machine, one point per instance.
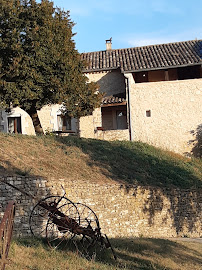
[[6, 229], [63, 222]]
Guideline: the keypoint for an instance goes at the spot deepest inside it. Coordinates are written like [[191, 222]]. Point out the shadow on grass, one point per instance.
[[138, 163], [138, 253], [135, 164], [162, 174]]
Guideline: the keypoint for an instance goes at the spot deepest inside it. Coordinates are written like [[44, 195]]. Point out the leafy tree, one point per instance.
[[39, 64]]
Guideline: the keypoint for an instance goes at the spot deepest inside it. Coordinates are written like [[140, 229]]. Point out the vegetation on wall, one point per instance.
[[39, 64], [197, 149]]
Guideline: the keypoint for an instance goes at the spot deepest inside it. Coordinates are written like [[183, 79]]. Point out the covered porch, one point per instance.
[[114, 119]]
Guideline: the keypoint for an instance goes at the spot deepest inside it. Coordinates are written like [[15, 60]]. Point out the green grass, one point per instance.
[[137, 253], [96, 160], [140, 163]]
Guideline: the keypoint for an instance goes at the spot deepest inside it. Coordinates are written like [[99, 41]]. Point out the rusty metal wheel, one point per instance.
[[39, 216], [60, 226], [87, 246], [6, 229], [87, 216], [62, 232]]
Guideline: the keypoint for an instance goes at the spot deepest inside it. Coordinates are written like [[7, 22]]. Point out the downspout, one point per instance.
[[128, 106]]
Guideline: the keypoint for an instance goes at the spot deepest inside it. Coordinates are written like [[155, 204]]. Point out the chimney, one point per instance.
[[108, 44]]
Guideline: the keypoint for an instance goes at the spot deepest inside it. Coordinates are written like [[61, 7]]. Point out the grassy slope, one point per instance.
[[142, 253], [74, 158], [101, 161]]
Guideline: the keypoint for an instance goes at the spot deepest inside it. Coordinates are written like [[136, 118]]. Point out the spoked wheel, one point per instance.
[[61, 226], [87, 245], [40, 214]]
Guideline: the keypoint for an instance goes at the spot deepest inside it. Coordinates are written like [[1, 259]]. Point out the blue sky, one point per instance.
[[132, 23]]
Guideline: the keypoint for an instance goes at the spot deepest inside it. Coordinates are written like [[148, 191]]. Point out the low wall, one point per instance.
[[112, 135], [123, 211]]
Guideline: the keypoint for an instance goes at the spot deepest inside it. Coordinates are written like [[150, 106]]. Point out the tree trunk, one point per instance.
[[36, 122]]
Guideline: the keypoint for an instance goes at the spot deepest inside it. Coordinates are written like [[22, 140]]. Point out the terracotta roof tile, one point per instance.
[[146, 57], [112, 100]]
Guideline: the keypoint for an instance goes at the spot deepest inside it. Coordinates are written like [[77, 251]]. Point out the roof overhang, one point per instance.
[[114, 104], [161, 68]]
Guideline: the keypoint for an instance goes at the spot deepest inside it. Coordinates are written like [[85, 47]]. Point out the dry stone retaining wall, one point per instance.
[[123, 211]]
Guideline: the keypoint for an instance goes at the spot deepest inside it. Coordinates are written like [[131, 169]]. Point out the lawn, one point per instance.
[[96, 160], [137, 253]]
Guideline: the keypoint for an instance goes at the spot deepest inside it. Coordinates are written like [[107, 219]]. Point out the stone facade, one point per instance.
[[110, 82], [166, 114], [47, 115], [88, 124], [175, 113], [27, 126], [112, 135], [123, 211]]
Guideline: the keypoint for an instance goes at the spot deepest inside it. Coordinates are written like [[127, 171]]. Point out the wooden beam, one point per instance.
[[114, 104]]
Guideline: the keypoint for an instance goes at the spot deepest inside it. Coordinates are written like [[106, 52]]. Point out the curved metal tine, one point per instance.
[[49, 238], [42, 231], [49, 224], [89, 215], [113, 252], [77, 248], [66, 229], [70, 206], [89, 211], [42, 216], [62, 195], [85, 249], [71, 239], [38, 216], [90, 243], [53, 239], [63, 238], [39, 211], [82, 211], [59, 243]]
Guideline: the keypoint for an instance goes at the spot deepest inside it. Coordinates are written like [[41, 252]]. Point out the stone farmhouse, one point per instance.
[[152, 94]]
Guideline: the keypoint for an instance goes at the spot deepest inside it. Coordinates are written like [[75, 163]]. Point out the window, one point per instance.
[[114, 117], [121, 119], [64, 123], [148, 113], [14, 125]]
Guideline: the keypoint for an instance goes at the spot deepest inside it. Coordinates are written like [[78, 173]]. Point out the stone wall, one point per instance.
[[46, 118], [176, 113], [88, 124], [123, 211], [110, 82], [112, 135]]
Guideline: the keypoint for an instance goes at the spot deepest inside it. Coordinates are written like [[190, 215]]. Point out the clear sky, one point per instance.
[[132, 23]]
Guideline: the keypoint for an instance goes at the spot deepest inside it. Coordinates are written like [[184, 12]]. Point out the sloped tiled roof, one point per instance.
[[151, 57], [112, 100]]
